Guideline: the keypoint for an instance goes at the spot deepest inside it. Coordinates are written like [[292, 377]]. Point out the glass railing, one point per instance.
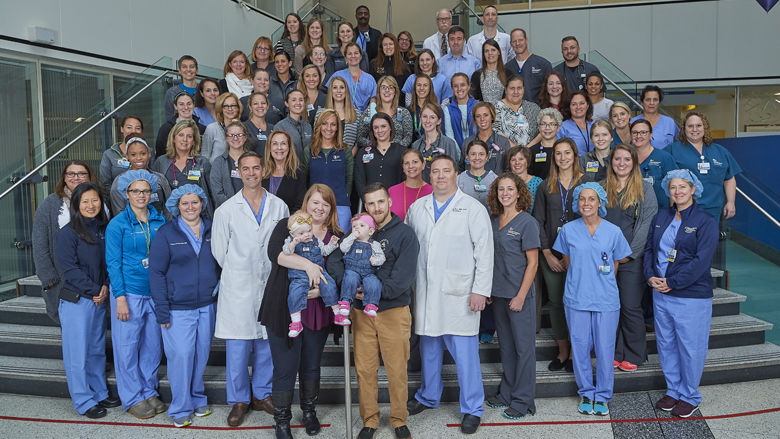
[[469, 17], [314, 9]]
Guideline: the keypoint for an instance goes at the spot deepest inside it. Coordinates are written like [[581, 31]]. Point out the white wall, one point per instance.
[[697, 40], [137, 30]]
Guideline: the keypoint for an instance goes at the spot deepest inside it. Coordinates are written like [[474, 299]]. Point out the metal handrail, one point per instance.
[[759, 208], [84, 133], [479, 20], [620, 89]]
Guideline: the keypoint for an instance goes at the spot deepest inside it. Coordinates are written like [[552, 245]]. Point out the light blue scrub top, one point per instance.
[[569, 128], [666, 244], [665, 131], [722, 167], [654, 169], [441, 86], [586, 288], [361, 91]]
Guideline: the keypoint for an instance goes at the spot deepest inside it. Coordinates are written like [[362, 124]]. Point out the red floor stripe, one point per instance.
[[623, 421], [138, 424]]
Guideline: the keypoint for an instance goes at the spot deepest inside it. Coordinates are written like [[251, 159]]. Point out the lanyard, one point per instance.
[[587, 142], [173, 165], [416, 197], [147, 232], [564, 197], [118, 151]]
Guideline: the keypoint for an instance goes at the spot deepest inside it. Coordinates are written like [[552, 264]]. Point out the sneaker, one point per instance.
[[666, 403], [295, 329], [344, 306], [495, 402], [600, 408], [683, 409], [615, 363], [182, 422], [486, 338], [341, 320], [370, 310], [511, 413], [202, 411], [586, 406], [625, 366]]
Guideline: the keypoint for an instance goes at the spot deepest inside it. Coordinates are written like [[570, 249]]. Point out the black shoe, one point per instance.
[[414, 407], [282, 413], [366, 433], [402, 432], [555, 364], [110, 402], [469, 424], [569, 365], [96, 412]]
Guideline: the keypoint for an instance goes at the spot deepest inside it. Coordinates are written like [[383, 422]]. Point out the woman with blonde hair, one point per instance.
[[328, 161], [631, 205], [315, 36], [228, 108], [620, 116], [309, 82], [282, 175], [237, 72], [182, 163], [339, 99]]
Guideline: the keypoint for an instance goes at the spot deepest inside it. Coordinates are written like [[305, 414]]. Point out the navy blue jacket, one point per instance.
[[178, 278], [83, 265], [689, 275]]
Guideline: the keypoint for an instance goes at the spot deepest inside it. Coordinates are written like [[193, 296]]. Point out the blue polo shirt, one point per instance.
[[361, 91], [587, 289], [722, 167], [450, 65], [654, 169]]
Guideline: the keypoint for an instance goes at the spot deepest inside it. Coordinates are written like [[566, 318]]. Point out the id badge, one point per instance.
[[261, 136], [521, 120], [605, 269], [194, 174], [155, 196], [123, 163], [145, 263], [234, 174], [704, 167], [310, 107], [672, 255], [479, 187], [368, 157], [559, 229], [592, 167], [649, 179], [541, 157]]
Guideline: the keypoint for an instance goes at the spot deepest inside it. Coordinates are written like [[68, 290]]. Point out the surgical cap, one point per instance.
[[686, 175], [599, 191], [172, 204], [128, 177]]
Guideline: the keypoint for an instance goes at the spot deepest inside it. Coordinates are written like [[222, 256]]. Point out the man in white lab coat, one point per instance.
[[454, 280], [239, 239]]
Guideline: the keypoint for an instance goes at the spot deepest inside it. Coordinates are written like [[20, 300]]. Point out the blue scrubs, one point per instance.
[[465, 351], [665, 131], [654, 169], [84, 352], [137, 350], [256, 353], [682, 330], [187, 344], [361, 91], [570, 129], [441, 86], [592, 301], [713, 166]]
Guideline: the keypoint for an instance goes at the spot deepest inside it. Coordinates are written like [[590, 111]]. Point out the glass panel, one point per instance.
[[759, 109], [17, 128]]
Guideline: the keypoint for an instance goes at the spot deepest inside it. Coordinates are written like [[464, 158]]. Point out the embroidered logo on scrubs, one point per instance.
[[512, 232], [654, 163], [717, 163], [535, 70], [178, 243], [690, 229]]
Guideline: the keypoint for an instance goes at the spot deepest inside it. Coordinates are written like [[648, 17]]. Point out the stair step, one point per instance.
[[45, 377], [45, 341], [30, 286]]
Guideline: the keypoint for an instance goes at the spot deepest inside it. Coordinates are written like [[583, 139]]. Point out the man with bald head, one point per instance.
[[437, 42]]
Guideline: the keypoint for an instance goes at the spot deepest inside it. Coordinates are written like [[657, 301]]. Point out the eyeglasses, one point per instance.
[[640, 133], [549, 125], [77, 174], [444, 19], [235, 136], [263, 49], [139, 192], [229, 106], [386, 87], [318, 55], [404, 39]]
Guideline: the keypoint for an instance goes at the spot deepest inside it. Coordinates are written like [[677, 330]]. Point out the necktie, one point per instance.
[[443, 45]]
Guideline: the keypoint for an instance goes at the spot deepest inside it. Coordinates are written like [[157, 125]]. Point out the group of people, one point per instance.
[[441, 194]]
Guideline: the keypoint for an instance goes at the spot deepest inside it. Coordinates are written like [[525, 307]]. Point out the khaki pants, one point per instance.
[[387, 333]]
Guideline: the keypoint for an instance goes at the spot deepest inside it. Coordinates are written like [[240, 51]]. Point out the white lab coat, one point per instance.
[[455, 260], [239, 245]]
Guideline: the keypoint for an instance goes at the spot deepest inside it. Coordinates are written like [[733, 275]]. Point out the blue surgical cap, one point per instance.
[[686, 175], [172, 204], [128, 177], [599, 191]]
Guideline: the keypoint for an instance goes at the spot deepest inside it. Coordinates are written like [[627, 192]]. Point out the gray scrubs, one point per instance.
[[516, 330], [634, 222]]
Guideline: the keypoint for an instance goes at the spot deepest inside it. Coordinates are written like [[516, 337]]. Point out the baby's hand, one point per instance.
[[372, 260], [333, 240]]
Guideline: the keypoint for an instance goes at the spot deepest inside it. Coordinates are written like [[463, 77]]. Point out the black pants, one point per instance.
[[517, 345], [630, 344], [302, 358]]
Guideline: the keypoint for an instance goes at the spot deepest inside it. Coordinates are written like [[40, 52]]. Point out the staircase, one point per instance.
[[31, 356]]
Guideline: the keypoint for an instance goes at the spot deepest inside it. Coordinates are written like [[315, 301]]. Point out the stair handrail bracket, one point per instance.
[[84, 133]]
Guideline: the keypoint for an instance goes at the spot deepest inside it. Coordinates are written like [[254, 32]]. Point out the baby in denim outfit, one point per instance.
[[361, 257], [303, 242]]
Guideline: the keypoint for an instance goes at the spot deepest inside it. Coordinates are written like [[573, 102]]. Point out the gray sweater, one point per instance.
[[220, 180], [109, 165], [163, 163], [213, 143]]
